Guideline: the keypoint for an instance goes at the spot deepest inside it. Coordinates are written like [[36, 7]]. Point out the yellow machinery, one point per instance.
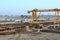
[[34, 14], [56, 10]]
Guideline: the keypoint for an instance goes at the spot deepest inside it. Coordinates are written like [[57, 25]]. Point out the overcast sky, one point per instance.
[[19, 7]]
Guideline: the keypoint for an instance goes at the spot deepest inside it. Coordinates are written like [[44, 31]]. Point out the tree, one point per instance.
[[22, 16]]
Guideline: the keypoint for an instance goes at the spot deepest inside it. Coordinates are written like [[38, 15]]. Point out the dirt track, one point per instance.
[[26, 36]]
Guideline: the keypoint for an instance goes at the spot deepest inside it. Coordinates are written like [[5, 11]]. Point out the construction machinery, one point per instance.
[[56, 10], [34, 15]]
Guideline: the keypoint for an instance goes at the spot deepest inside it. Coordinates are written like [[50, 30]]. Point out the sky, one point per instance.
[[20, 7]]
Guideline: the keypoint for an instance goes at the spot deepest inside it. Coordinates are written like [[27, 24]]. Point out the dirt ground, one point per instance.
[[31, 36]]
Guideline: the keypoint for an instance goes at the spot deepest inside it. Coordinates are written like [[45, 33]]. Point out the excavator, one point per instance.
[[40, 25]]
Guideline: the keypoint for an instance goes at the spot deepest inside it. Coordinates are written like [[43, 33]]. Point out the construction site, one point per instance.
[[33, 29]]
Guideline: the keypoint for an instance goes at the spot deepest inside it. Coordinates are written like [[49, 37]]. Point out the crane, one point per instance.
[[56, 10], [34, 14]]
